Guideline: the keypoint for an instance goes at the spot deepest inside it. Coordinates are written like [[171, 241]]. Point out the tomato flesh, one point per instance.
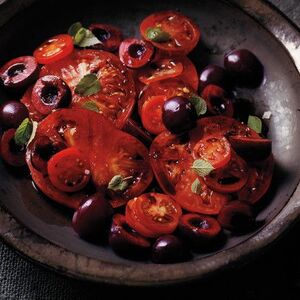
[[157, 214], [54, 49]]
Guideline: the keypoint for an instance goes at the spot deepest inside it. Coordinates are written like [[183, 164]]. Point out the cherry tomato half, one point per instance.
[[153, 214], [68, 170], [183, 33], [54, 49]]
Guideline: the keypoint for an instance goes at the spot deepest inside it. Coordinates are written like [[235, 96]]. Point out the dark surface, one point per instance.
[[275, 274]]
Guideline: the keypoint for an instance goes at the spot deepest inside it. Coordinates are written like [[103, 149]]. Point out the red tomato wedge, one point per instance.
[[153, 214], [54, 49], [115, 100], [104, 151], [184, 34]]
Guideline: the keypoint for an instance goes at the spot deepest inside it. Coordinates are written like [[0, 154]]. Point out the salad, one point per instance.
[[155, 160]]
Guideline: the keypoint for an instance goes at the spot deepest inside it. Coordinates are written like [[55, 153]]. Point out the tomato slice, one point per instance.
[[152, 114], [259, 181], [214, 149], [153, 214], [54, 49], [184, 33], [230, 178], [116, 97], [69, 170]]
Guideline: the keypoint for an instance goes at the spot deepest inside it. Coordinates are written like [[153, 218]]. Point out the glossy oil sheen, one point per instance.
[[223, 28]]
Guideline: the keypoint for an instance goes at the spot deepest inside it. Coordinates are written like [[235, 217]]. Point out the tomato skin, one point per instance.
[[54, 49], [68, 170], [157, 214], [213, 149], [184, 33]]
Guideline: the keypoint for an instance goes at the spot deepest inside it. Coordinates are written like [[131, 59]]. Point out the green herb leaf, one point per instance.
[[91, 105], [82, 36], [79, 36], [196, 187], [255, 123], [88, 85], [199, 104], [74, 28], [118, 183], [89, 39], [23, 132], [202, 167], [157, 35]]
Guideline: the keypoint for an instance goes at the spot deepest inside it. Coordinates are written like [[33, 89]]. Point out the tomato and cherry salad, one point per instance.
[[145, 150]]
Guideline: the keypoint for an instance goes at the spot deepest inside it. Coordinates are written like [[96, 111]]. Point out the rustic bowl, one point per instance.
[[41, 230]]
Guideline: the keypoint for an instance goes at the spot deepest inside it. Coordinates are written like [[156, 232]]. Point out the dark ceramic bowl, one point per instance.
[[41, 230]]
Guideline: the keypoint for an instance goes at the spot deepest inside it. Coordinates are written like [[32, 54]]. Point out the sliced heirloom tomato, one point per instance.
[[259, 181], [153, 214], [175, 33], [54, 49], [104, 152], [171, 160], [115, 99]]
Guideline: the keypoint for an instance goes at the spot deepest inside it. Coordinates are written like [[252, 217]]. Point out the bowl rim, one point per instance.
[[66, 262]]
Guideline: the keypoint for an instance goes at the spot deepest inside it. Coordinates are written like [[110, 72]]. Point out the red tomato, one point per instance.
[[69, 170], [214, 149], [135, 53], [153, 214], [54, 49], [184, 33], [259, 181], [152, 114], [171, 160], [115, 100], [230, 178]]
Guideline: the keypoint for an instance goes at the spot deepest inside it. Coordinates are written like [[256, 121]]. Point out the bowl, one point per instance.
[[40, 229]]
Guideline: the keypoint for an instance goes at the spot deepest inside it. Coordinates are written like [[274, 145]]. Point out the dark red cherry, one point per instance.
[[110, 37], [178, 115], [92, 218], [19, 72], [12, 154], [245, 68], [237, 216], [169, 249], [12, 113], [125, 241], [217, 100], [50, 92]]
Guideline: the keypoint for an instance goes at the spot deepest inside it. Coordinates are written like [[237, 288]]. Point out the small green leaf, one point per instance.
[[202, 167], [157, 35], [88, 85], [255, 123], [79, 36], [118, 183], [199, 104], [196, 187], [74, 28], [23, 132], [89, 39], [91, 105]]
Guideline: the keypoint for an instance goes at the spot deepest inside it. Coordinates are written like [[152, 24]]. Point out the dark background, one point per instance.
[[276, 274]]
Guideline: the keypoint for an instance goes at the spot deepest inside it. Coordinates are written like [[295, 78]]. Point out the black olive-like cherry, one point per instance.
[[41, 150], [179, 115], [12, 113], [237, 216], [201, 231], [216, 75], [245, 68], [169, 249], [251, 149], [110, 37], [12, 154], [92, 218], [50, 92], [125, 241], [19, 72], [135, 53], [217, 100]]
